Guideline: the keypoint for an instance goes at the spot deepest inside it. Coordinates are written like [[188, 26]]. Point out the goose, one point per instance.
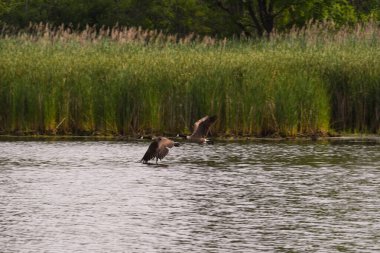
[[201, 130], [158, 149]]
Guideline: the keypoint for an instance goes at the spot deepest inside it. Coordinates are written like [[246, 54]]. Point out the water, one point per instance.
[[92, 196]]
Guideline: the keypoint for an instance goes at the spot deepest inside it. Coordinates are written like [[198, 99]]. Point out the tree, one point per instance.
[[261, 17], [8, 6], [367, 9], [205, 17], [255, 16], [339, 11], [173, 16]]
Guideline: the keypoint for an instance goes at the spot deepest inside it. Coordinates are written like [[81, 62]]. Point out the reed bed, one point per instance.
[[120, 81]]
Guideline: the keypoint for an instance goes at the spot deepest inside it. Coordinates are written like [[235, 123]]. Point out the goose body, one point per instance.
[[201, 130], [158, 149]]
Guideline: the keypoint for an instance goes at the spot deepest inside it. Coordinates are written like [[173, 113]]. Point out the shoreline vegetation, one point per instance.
[[320, 80], [352, 138]]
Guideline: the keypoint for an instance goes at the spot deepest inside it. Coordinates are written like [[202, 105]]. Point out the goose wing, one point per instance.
[[151, 152], [202, 126], [163, 147]]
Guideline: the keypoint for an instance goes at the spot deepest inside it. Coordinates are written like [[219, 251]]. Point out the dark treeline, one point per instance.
[[205, 17]]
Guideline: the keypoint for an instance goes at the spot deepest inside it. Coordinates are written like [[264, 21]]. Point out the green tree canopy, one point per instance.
[[205, 17]]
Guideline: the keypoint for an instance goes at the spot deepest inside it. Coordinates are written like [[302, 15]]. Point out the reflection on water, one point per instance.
[[227, 197]]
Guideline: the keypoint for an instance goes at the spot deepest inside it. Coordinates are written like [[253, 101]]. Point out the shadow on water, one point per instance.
[[158, 165], [262, 196]]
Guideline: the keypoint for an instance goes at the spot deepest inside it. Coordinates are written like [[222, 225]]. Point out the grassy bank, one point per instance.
[[131, 82]]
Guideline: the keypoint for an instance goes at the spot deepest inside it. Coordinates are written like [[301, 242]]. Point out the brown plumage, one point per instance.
[[201, 130], [202, 127], [158, 149]]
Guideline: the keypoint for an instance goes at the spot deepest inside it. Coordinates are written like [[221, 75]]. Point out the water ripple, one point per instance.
[[228, 197]]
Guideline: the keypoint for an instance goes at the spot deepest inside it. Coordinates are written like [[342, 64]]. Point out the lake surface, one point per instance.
[[93, 196]]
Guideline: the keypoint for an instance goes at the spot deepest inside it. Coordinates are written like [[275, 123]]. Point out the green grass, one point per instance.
[[298, 83]]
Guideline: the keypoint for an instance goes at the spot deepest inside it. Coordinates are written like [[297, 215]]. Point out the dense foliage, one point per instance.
[[205, 17], [282, 67], [315, 79]]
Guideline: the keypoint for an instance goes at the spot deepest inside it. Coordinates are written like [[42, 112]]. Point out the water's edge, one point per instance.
[[350, 138]]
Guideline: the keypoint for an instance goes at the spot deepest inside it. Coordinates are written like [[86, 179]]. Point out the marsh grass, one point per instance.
[[121, 81]]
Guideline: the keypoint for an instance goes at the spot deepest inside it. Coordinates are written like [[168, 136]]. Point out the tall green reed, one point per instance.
[[128, 82]]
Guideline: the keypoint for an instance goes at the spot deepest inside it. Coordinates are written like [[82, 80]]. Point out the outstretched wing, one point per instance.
[[202, 126], [164, 146], [162, 152], [151, 152]]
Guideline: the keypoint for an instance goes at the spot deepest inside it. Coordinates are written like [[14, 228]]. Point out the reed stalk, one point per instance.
[[127, 81]]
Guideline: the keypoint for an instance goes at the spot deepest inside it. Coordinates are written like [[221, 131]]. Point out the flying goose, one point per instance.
[[158, 149], [201, 130]]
